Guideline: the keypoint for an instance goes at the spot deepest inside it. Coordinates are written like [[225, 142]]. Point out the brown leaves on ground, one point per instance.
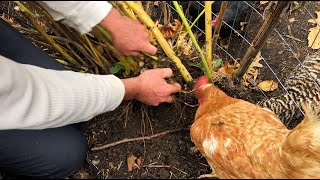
[[314, 35], [268, 85], [133, 162], [253, 70], [169, 30]]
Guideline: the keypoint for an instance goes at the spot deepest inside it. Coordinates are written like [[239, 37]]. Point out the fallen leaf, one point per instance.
[[83, 174], [315, 21], [268, 85], [227, 69], [314, 38], [263, 2], [131, 162], [253, 70], [171, 29]]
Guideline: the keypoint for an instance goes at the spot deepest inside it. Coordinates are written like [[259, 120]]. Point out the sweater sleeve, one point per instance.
[[81, 15], [35, 98]]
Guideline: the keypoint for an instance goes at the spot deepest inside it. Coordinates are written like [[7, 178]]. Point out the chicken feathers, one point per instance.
[[242, 140]]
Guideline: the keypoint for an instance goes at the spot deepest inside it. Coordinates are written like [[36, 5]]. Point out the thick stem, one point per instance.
[[265, 31], [161, 40]]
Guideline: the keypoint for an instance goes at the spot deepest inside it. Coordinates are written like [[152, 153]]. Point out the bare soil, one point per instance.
[[171, 155]]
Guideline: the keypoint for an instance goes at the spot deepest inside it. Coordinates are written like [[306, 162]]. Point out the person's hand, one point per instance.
[[128, 36], [151, 88]]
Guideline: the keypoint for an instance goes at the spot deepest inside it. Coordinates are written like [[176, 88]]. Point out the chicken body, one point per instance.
[[303, 86], [242, 140]]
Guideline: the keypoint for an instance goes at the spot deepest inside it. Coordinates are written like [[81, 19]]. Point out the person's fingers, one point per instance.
[[149, 48], [174, 87], [137, 54], [170, 99], [166, 72]]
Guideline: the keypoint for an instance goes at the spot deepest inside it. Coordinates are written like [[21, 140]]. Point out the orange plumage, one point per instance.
[[242, 140]]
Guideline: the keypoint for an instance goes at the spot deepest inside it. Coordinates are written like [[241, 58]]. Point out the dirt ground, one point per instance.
[[171, 155]]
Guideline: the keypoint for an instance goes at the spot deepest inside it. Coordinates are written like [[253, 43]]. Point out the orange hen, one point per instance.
[[242, 140]]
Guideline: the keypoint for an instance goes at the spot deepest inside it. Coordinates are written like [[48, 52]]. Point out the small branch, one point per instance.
[[156, 166], [126, 140], [294, 38], [218, 24]]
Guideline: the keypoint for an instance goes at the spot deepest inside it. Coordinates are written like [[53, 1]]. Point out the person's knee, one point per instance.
[[49, 153], [69, 156]]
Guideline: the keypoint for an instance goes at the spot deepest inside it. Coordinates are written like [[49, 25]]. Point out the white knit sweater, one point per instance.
[[37, 98]]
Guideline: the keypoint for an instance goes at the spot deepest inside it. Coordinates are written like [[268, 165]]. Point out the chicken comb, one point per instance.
[[202, 80]]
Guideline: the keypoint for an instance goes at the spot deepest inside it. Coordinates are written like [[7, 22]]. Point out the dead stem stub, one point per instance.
[[235, 89]]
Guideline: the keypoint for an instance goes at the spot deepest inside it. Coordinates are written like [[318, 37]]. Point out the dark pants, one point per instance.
[[49, 153]]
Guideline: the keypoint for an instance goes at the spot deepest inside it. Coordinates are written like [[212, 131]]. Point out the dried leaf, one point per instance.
[[263, 2], [171, 29], [268, 85], [131, 162], [253, 70], [227, 69], [314, 38]]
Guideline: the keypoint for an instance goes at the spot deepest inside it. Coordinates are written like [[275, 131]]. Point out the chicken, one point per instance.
[[236, 12], [303, 86], [242, 140]]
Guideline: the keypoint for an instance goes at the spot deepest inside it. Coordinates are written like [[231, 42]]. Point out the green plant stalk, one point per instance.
[[144, 17], [29, 16], [208, 19], [199, 16], [193, 39]]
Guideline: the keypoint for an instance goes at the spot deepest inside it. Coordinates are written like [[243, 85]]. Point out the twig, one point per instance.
[[218, 24], [126, 140], [294, 38], [156, 166]]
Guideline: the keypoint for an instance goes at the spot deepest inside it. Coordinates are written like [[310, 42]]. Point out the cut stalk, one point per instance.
[[208, 19], [193, 39], [161, 40]]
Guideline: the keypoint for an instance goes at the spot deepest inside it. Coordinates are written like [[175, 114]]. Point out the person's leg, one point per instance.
[[21, 49], [49, 153]]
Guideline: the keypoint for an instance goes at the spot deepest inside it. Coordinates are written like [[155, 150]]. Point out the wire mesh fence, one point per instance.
[[254, 19]]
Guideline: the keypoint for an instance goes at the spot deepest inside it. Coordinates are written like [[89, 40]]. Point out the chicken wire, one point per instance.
[[244, 41]]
